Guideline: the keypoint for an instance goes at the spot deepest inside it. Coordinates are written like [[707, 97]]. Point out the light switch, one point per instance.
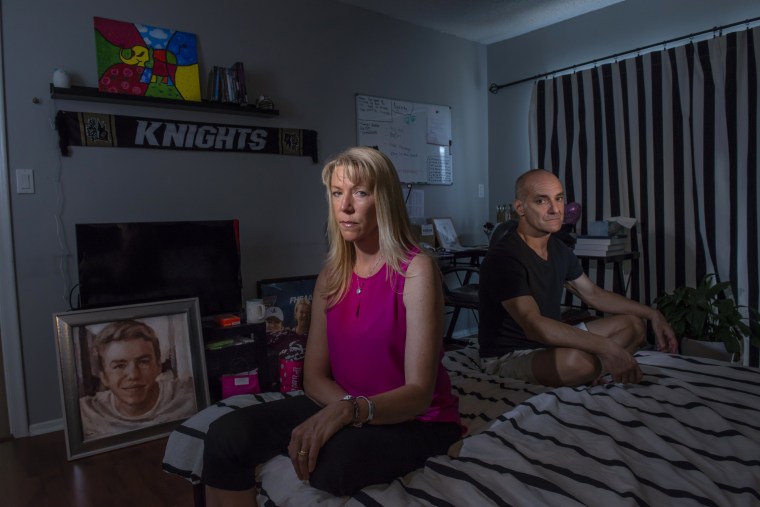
[[24, 181]]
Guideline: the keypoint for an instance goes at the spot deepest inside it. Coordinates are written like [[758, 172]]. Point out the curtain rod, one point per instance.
[[494, 88]]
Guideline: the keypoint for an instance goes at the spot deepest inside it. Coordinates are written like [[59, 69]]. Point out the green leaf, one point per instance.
[[705, 313]]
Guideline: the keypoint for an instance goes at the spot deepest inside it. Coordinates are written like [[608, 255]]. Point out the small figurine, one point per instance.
[[264, 103]]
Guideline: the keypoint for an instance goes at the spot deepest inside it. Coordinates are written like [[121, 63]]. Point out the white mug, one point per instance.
[[254, 311]]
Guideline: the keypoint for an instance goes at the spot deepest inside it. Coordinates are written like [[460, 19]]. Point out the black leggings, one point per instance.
[[352, 459]]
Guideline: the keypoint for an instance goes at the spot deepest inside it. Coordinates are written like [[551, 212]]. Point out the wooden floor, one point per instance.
[[34, 472]]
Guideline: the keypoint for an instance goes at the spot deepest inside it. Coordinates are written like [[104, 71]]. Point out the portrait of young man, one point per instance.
[[135, 387]]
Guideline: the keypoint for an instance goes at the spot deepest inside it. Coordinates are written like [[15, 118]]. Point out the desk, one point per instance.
[[619, 282], [453, 256]]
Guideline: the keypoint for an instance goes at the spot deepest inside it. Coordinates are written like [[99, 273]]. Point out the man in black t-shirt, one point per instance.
[[521, 287]]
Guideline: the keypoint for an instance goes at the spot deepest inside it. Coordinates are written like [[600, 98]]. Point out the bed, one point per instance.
[[689, 434]]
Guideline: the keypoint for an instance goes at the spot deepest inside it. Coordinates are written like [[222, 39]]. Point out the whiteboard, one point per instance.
[[416, 137]]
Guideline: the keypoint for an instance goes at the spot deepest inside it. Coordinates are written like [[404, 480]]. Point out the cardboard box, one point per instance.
[[424, 233]]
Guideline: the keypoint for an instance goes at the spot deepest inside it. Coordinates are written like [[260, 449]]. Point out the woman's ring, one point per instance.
[[303, 453]]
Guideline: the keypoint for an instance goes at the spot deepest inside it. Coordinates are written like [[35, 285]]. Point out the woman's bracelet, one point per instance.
[[354, 400], [370, 409], [355, 404]]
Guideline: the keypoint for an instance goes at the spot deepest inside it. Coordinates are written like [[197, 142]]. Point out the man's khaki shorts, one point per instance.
[[518, 364]]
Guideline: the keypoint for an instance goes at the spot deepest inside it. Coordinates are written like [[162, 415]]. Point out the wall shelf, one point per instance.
[[88, 94]]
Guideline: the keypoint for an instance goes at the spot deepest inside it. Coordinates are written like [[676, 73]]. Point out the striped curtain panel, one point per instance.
[[671, 139]]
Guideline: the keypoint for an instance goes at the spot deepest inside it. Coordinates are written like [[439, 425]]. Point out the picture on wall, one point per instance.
[[139, 59], [129, 373]]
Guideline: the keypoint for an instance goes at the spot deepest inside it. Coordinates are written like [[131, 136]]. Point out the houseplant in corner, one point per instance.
[[703, 319]]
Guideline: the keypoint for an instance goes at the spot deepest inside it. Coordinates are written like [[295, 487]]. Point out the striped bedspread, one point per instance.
[[689, 434]]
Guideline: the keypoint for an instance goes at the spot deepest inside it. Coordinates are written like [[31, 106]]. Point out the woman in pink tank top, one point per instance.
[[377, 400]]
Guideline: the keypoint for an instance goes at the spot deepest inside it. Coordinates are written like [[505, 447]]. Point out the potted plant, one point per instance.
[[700, 315]]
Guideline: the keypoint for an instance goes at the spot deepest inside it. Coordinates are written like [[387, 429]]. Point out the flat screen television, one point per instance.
[[137, 262]]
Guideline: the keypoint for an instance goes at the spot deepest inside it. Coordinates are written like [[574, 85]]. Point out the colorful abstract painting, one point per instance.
[[146, 60]]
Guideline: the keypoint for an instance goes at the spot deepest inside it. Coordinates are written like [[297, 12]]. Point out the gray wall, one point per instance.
[[310, 56], [620, 27]]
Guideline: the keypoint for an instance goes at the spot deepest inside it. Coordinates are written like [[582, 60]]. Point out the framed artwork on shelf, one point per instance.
[[129, 374], [148, 61]]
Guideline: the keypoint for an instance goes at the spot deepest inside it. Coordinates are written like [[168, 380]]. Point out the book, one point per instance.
[[227, 84], [597, 253], [600, 240], [601, 248], [240, 79], [220, 344]]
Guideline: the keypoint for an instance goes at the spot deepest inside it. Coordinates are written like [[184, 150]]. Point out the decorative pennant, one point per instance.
[[107, 130]]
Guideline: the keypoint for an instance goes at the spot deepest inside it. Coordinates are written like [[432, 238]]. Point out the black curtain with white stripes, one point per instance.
[[669, 138]]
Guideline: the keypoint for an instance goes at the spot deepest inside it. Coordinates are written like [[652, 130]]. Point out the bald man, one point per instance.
[[521, 288]]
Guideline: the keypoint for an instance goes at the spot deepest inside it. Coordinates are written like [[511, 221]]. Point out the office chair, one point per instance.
[[460, 290], [461, 282], [501, 230]]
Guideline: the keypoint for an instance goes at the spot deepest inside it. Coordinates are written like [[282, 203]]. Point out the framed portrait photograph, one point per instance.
[[129, 374]]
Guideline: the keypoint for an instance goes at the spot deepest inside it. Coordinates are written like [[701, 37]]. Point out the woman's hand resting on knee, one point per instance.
[[308, 437]]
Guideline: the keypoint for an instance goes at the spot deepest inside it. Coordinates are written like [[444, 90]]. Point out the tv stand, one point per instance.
[[247, 352]]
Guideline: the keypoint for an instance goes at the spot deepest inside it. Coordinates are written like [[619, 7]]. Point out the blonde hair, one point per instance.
[[373, 169]]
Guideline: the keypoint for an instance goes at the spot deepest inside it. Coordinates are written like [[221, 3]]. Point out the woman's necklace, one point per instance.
[[359, 282]]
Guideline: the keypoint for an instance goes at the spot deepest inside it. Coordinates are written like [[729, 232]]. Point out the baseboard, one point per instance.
[[45, 427]]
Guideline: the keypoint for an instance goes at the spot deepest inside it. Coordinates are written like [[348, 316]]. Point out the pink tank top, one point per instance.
[[366, 337]]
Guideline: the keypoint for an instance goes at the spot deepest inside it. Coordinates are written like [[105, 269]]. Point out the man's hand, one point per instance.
[[664, 334], [620, 364]]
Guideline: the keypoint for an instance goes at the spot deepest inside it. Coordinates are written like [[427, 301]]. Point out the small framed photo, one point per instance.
[[292, 296], [129, 374], [445, 233], [287, 316]]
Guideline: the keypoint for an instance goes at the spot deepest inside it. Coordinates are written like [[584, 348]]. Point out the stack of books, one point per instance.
[[228, 84], [599, 246]]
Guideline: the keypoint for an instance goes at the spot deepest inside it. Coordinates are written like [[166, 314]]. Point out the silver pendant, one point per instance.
[[358, 290]]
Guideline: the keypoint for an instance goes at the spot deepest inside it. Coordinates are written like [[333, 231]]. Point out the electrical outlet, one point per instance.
[[481, 190]]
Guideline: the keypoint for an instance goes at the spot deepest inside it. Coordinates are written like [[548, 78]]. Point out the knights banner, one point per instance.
[[117, 131]]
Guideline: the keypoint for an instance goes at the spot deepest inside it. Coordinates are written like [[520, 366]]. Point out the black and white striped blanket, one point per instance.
[[689, 434]]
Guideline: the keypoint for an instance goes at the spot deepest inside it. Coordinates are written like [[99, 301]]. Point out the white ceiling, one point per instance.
[[483, 21]]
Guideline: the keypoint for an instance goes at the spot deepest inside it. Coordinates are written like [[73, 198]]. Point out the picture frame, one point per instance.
[[287, 317], [147, 61], [284, 293], [129, 374], [445, 233]]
